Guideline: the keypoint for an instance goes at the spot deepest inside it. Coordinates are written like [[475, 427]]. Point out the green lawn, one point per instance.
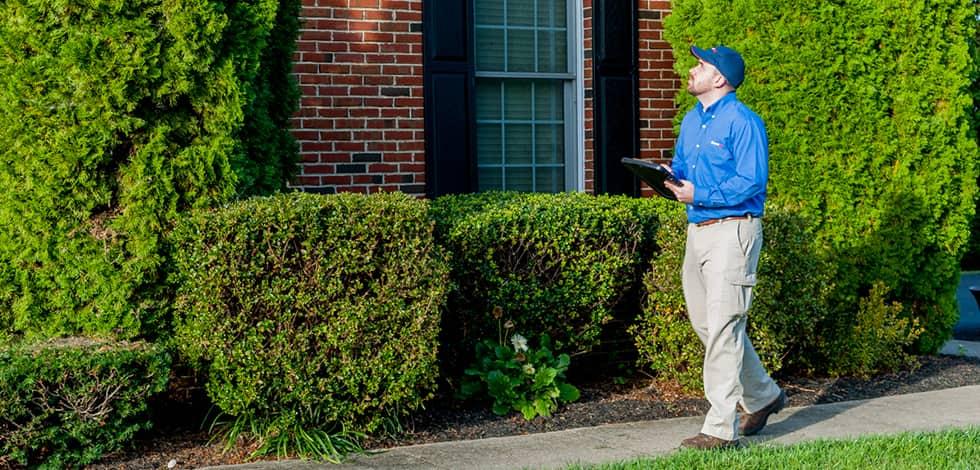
[[954, 449]]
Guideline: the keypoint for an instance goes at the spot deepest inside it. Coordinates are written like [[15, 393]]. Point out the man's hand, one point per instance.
[[684, 192]]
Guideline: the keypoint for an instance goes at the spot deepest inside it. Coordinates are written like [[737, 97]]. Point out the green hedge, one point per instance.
[[311, 312], [971, 260], [67, 402], [868, 108], [557, 264], [114, 116], [789, 320]]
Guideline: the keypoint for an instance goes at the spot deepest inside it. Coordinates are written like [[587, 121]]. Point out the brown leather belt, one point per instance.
[[724, 219]]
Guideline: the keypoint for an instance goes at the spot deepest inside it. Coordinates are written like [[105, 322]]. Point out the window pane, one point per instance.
[[549, 103], [520, 50], [517, 100], [519, 179], [490, 49], [488, 144], [488, 100], [551, 13], [552, 52], [519, 144], [491, 178], [490, 12], [549, 143], [550, 180], [520, 12]]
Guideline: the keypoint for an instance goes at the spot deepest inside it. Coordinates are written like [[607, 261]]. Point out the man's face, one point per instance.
[[703, 78]]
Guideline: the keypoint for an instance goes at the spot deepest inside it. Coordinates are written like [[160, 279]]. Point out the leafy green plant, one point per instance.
[[877, 337], [516, 376]]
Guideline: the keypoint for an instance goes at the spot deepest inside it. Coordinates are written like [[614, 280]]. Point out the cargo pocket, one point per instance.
[[741, 285]]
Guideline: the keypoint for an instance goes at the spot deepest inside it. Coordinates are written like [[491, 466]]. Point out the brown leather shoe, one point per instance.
[[705, 442], [752, 423]]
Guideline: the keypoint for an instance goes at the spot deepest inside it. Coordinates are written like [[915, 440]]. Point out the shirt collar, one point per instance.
[[730, 96]]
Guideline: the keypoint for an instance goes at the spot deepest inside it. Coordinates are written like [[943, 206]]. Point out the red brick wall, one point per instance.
[[360, 123], [359, 66], [589, 119], [658, 83]]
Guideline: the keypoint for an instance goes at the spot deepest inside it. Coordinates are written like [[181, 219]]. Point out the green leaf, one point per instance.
[[563, 361], [498, 384], [567, 393], [527, 409], [545, 342], [543, 406], [500, 409], [470, 388], [544, 377]]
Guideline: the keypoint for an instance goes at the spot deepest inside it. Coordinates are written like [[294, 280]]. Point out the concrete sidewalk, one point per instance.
[[927, 411]]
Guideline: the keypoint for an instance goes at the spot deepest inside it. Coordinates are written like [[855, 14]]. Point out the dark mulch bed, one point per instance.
[[602, 402]]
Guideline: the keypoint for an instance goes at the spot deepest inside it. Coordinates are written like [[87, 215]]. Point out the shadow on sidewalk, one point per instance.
[[802, 419], [846, 393]]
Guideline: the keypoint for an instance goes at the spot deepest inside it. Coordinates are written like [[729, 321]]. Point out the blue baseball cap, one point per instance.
[[726, 60]]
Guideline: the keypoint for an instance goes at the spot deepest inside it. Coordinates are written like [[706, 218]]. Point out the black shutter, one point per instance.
[[447, 81], [616, 127]]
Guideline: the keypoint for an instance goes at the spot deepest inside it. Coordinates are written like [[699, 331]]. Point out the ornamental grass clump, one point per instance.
[[314, 318]]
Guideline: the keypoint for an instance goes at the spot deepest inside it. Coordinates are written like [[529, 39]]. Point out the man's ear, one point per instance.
[[719, 81]]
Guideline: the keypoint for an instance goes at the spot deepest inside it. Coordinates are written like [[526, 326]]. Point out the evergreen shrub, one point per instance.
[[971, 260], [868, 109], [114, 116], [557, 264], [311, 313], [65, 403]]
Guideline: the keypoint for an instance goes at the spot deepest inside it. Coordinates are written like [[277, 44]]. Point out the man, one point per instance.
[[722, 160]]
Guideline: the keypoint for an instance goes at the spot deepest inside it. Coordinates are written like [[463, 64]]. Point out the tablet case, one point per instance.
[[653, 174]]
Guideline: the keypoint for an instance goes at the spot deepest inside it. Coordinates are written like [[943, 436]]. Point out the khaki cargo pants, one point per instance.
[[718, 275]]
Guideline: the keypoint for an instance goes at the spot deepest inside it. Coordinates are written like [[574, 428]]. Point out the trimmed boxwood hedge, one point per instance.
[[311, 312], [65, 403], [557, 264]]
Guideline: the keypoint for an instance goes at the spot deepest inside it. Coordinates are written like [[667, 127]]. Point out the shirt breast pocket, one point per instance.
[[719, 155]]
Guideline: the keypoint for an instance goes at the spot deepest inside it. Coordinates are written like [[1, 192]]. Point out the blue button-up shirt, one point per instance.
[[724, 151]]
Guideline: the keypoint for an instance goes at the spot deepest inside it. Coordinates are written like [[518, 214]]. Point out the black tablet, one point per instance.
[[653, 174]]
